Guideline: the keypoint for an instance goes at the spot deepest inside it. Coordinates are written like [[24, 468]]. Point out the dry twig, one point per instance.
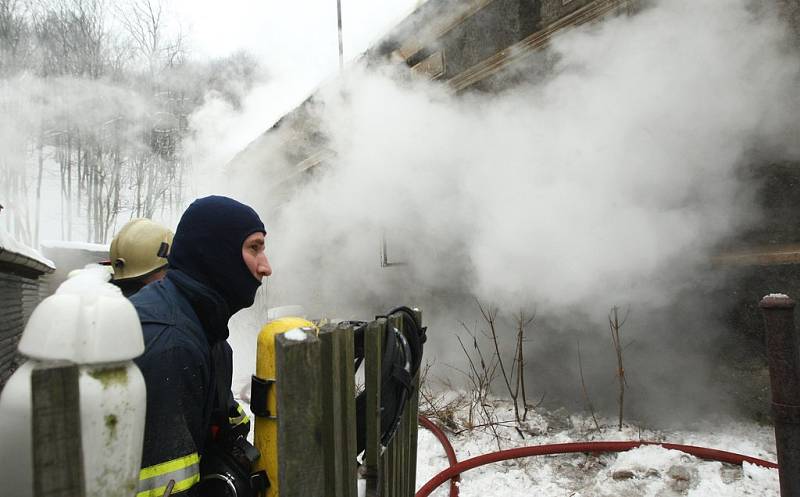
[[585, 391], [615, 324]]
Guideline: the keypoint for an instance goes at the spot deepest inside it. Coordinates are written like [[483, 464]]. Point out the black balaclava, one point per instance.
[[208, 247]]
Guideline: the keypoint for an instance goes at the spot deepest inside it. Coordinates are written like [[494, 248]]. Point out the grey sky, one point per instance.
[[295, 41]]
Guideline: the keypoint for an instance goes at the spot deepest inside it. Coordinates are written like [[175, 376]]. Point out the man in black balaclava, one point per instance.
[[217, 262]]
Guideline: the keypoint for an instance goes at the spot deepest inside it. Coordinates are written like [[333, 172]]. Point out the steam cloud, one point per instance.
[[612, 178], [610, 182]]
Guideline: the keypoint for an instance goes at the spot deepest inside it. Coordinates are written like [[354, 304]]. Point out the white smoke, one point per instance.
[[607, 183], [610, 181]]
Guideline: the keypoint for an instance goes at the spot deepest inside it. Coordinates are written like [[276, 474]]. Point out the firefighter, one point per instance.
[[138, 254], [217, 262]]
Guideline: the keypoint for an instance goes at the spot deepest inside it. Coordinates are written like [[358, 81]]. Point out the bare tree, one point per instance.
[[145, 23], [71, 37], [15, 44], [111, 113]]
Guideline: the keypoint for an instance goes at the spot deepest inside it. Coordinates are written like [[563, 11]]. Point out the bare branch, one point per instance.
[[585, 391]]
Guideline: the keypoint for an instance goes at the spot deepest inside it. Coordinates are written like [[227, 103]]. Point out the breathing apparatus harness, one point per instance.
[[402, 356], [227, 466]]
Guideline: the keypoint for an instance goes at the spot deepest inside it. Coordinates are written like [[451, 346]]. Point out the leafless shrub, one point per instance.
[[615, 324], [440, 407], [481, 373], [514, 376], [484, 369]]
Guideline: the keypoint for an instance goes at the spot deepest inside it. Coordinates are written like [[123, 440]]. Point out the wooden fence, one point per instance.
[[317, 418], [316, 415]]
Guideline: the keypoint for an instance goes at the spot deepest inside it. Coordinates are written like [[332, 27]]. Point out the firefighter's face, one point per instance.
[[255, 256]]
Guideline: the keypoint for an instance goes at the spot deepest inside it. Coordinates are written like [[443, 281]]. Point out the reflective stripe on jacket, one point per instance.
[[183, 472]]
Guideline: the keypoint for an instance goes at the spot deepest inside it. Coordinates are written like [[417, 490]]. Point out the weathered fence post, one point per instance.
[[316, 413], [403, 459], [372, 383], [338, 410], [413, 413], [397, 465], [301, 469], [390, 463], [57, 447], [783, 356]]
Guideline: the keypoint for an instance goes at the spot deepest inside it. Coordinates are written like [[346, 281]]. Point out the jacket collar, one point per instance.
[[211, 308]]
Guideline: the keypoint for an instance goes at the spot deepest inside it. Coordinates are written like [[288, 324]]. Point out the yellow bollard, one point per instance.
[[266, 428]]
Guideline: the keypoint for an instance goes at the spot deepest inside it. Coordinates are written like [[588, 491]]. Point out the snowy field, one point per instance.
[[643, 472], [646, 471]]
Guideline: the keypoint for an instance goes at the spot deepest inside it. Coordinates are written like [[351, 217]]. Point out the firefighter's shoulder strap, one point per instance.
[[222, 392], [228, 457], [401, 358]]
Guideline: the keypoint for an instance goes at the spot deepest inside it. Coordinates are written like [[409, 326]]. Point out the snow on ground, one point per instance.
[[649, 471], [643, 472]]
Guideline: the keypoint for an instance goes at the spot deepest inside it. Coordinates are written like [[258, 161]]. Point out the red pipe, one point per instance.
[[448, 449], [540, 450]]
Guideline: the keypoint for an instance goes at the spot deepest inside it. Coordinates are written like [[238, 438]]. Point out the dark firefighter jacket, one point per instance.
[[184, 349]]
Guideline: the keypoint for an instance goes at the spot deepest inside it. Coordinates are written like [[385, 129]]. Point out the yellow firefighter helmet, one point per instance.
[[139, 249]]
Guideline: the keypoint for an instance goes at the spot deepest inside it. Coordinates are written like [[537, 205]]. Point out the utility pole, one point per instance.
[[339, 21]]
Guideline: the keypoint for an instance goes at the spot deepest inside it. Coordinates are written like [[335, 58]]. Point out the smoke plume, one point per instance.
[[608, 183]]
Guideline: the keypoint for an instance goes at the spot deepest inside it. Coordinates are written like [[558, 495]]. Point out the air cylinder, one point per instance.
[[263, 399]]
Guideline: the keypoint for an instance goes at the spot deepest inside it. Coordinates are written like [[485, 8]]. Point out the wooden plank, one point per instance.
[[406, 454], [384, 473], [347, 390], [441, 26], [533, 42], [410, 469], [372, 384], [330, 381], [387, 475], [400, 458], [759, 256], [301, 470], [432, 66], [338, 410], [394, 464], [413, 413], [395, 459], [57, 451], [390, 456]]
